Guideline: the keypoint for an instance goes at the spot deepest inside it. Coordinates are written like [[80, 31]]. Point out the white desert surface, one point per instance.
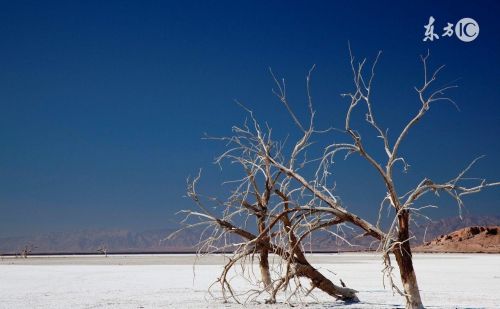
[[170, 281]]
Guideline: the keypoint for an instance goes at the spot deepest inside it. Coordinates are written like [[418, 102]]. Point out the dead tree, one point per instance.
[[26, 250], [397, 238], [103, 249], [285, 217], [297, 197]]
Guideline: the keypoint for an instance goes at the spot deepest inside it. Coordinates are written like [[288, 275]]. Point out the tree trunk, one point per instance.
[[264, 268], [264, 255], [324, 284], [402, 251]]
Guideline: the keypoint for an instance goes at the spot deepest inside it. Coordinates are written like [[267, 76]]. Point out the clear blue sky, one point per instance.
[[102, 104]]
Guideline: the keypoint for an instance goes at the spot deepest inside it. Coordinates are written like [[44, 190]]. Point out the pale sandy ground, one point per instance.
[[168, 281]]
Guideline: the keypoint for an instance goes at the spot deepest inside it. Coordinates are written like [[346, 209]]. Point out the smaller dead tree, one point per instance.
[[103, 249], [26, 251]]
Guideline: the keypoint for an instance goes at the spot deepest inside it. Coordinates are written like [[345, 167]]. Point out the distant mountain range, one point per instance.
[[89, 241]]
